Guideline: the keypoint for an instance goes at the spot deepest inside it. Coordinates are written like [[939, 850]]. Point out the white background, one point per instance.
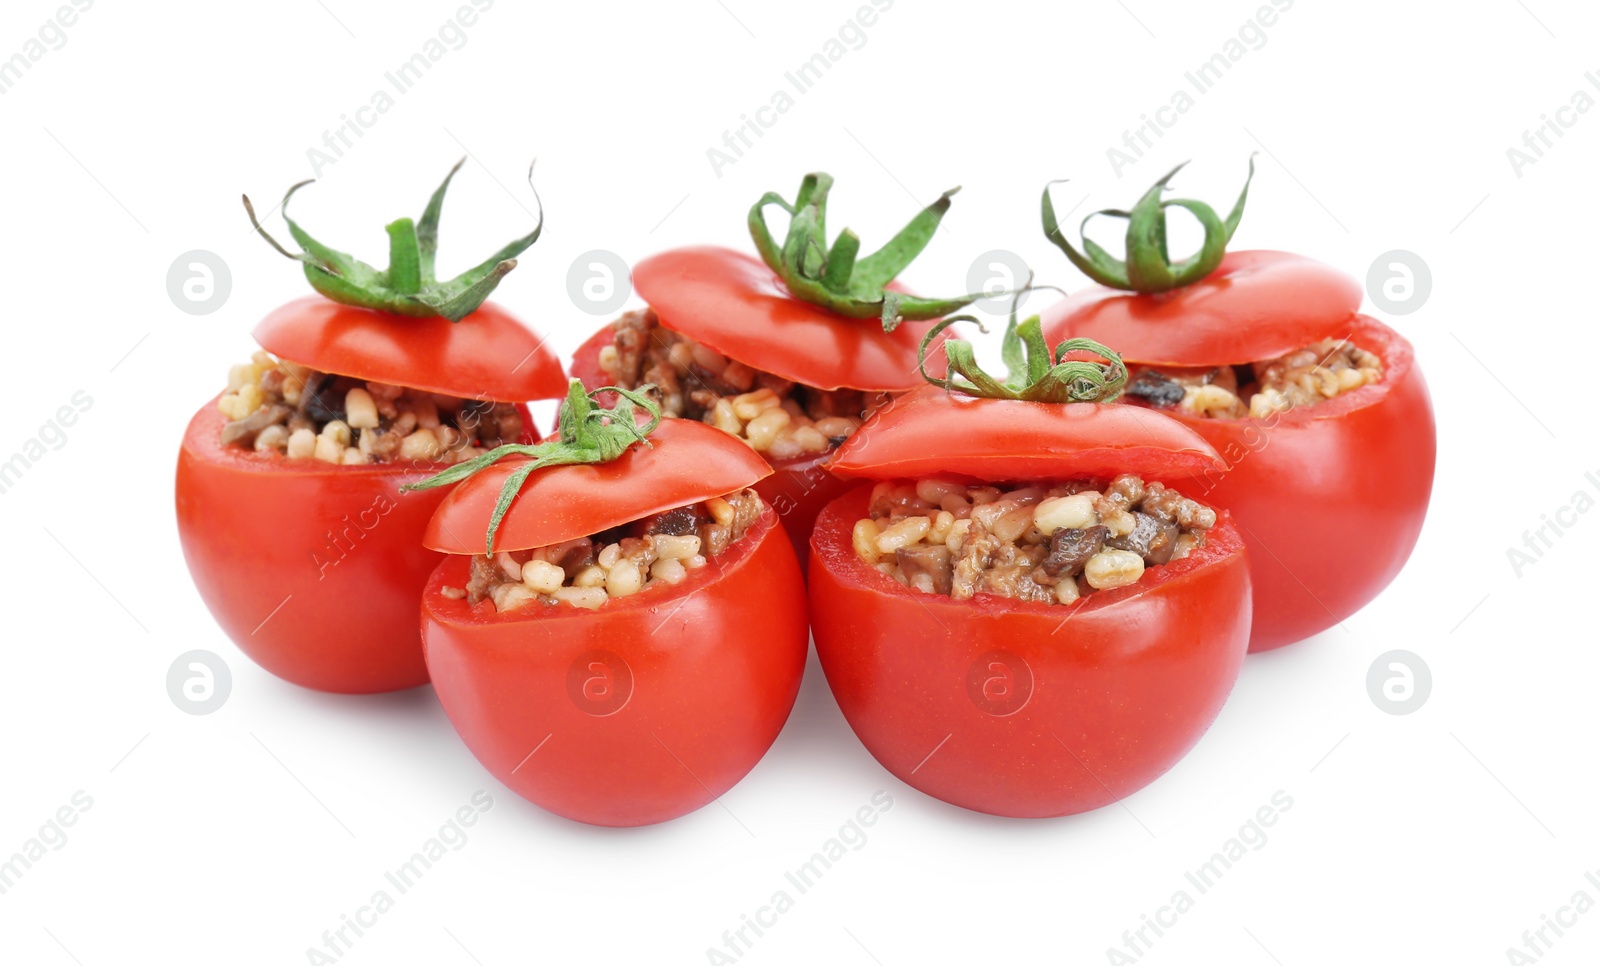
[[1433, 837]]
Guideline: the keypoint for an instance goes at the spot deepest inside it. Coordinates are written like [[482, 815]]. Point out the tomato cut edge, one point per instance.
[[683, 462], [932, 432]]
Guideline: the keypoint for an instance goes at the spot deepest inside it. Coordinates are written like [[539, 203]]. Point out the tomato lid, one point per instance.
[[1257, 305], [736, 305], [487, 355], [684, 462], [931, 432]]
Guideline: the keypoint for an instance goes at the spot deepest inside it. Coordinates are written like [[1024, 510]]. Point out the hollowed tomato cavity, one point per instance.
[[277, 406], [1042, 542], [778, 418], [1257, 390], [660, 549]]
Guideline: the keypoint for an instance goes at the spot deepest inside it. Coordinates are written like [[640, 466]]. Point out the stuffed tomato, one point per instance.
[[629, 639], [289, 503], [1024, 614], [1320, 412], [788, 352]]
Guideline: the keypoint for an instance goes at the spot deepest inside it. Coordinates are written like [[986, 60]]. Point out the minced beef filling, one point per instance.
[[620, 562], [277, 406], [777, 417], [1304, 377], [1050, 543]]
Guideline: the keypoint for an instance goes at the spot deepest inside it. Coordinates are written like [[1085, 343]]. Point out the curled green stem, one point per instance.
[[408, 286], [1148, 267], [585, 433], [1033, 373], [835, 277]]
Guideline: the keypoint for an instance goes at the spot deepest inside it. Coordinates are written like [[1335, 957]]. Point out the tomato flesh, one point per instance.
[[1330, 498], [313, 570], [487, 355], [797, 488], [1023, 709], [638, 712]]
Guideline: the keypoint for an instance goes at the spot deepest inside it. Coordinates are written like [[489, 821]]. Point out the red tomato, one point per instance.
[[797, 488], [1330, 498], [734, 304], [1256, 305], [652, 705], [1016, 708], [488, 355], [315, 570]]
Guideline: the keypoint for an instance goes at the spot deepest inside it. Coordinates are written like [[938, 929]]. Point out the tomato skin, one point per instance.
[[487, 355], [1331, 498], [736, 305], [797, 488], [684, 462], [1256, 305], [1121, 687], [313, 570], [714, 666], [1008, 439]]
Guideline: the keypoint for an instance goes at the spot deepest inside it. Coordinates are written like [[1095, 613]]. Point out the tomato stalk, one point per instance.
[[586, 433], [1148, 266], [1032, 373], [408, 286], [834, 277]]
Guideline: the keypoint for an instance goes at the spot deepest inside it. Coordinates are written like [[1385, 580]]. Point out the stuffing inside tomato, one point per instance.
[[1047, 541], [277, 406], [1023, 614], [1305, 377], [651, 554], [789, 352], [590, 634], [1312, 404], [777, 417], [380, 380]]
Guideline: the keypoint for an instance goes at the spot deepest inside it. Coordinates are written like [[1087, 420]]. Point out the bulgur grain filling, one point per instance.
[[1305, 377], [776, 417], [1041, 542], [276, 406], [587, 572]]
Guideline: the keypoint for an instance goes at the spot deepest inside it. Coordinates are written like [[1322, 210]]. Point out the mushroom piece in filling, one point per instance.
[[1304, 377], [276, 406], [777, 417], [1043, 542], [622, 561]]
